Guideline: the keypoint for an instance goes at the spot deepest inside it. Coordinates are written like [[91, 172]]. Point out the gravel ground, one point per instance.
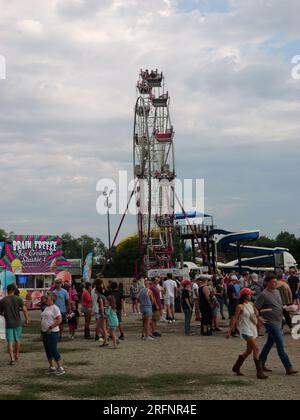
[[172, 353]]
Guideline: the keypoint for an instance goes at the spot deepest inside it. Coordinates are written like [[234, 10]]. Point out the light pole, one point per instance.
[[106, 193]]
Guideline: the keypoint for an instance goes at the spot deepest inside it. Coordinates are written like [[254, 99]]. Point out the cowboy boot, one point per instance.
[[291, 372], [259, 370], [265, 369], [237, 367]]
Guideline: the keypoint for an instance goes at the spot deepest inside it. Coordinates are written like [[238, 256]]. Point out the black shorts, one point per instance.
[[64, 318], [207, 317], [119, 315], [232, 309]]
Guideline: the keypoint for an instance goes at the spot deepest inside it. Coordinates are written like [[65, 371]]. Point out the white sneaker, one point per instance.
[[51, 371], [60, 371], [149, 338], [174, 322]]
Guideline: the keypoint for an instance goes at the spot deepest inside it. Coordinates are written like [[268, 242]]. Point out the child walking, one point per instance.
[[73, 317], [113, 322]]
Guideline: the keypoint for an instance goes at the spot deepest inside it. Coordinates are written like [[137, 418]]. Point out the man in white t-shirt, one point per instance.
[[170, 291]]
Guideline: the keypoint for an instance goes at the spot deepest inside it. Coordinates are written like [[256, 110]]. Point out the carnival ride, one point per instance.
[[257, 255], [154, 171]]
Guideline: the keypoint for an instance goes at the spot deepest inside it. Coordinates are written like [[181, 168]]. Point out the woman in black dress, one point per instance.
[[206, 307]]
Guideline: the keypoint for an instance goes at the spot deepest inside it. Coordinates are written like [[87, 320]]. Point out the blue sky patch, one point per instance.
[[279, 46]]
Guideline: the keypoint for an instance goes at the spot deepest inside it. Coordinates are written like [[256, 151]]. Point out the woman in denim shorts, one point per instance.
[[146, 300], [246, 321]]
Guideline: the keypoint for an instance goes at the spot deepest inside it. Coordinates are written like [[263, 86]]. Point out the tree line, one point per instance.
[[124, 260]]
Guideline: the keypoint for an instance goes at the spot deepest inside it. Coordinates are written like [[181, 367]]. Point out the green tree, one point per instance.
[[80, 247], [3, 235], [125, 257]]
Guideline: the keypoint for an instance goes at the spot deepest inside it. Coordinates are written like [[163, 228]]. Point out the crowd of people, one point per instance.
[[255, 304]]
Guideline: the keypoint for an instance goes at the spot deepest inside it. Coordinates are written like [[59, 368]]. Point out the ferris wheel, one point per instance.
[[154, 171]]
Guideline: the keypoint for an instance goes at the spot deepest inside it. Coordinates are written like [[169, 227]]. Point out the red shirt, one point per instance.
[[86, 299], [156, 295]]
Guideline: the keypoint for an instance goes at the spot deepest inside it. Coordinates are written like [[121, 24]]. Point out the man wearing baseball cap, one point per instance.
[[270, 305]]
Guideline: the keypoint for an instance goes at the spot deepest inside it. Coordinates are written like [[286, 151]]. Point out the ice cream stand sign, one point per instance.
[[34, 261]]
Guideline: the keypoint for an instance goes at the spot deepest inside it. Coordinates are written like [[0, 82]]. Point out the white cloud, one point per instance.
[[30, 26]]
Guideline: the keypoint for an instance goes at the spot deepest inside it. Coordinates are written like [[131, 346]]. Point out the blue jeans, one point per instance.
[[187, 321], [275, 337], [50, 344]]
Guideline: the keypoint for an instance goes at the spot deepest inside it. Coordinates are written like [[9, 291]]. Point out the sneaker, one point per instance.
[[149, 338], [156, 334], [51, 371], [97, 337], [169, 322], [60, 371], [122, 337], [174, 322]]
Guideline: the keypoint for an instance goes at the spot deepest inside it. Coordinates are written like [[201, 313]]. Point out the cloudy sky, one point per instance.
[[66, 107]]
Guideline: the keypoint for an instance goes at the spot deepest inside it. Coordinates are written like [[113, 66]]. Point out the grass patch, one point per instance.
[[31, 391], [161, 384], [39, 388], [79, 364], [177, 383], [22, 396], [109, 386], [42, 373]]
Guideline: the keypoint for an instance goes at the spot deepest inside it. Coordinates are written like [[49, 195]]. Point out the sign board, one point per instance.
[[34, 254]]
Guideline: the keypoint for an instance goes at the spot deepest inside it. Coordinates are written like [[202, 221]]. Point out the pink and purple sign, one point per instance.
[[34, 254]]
